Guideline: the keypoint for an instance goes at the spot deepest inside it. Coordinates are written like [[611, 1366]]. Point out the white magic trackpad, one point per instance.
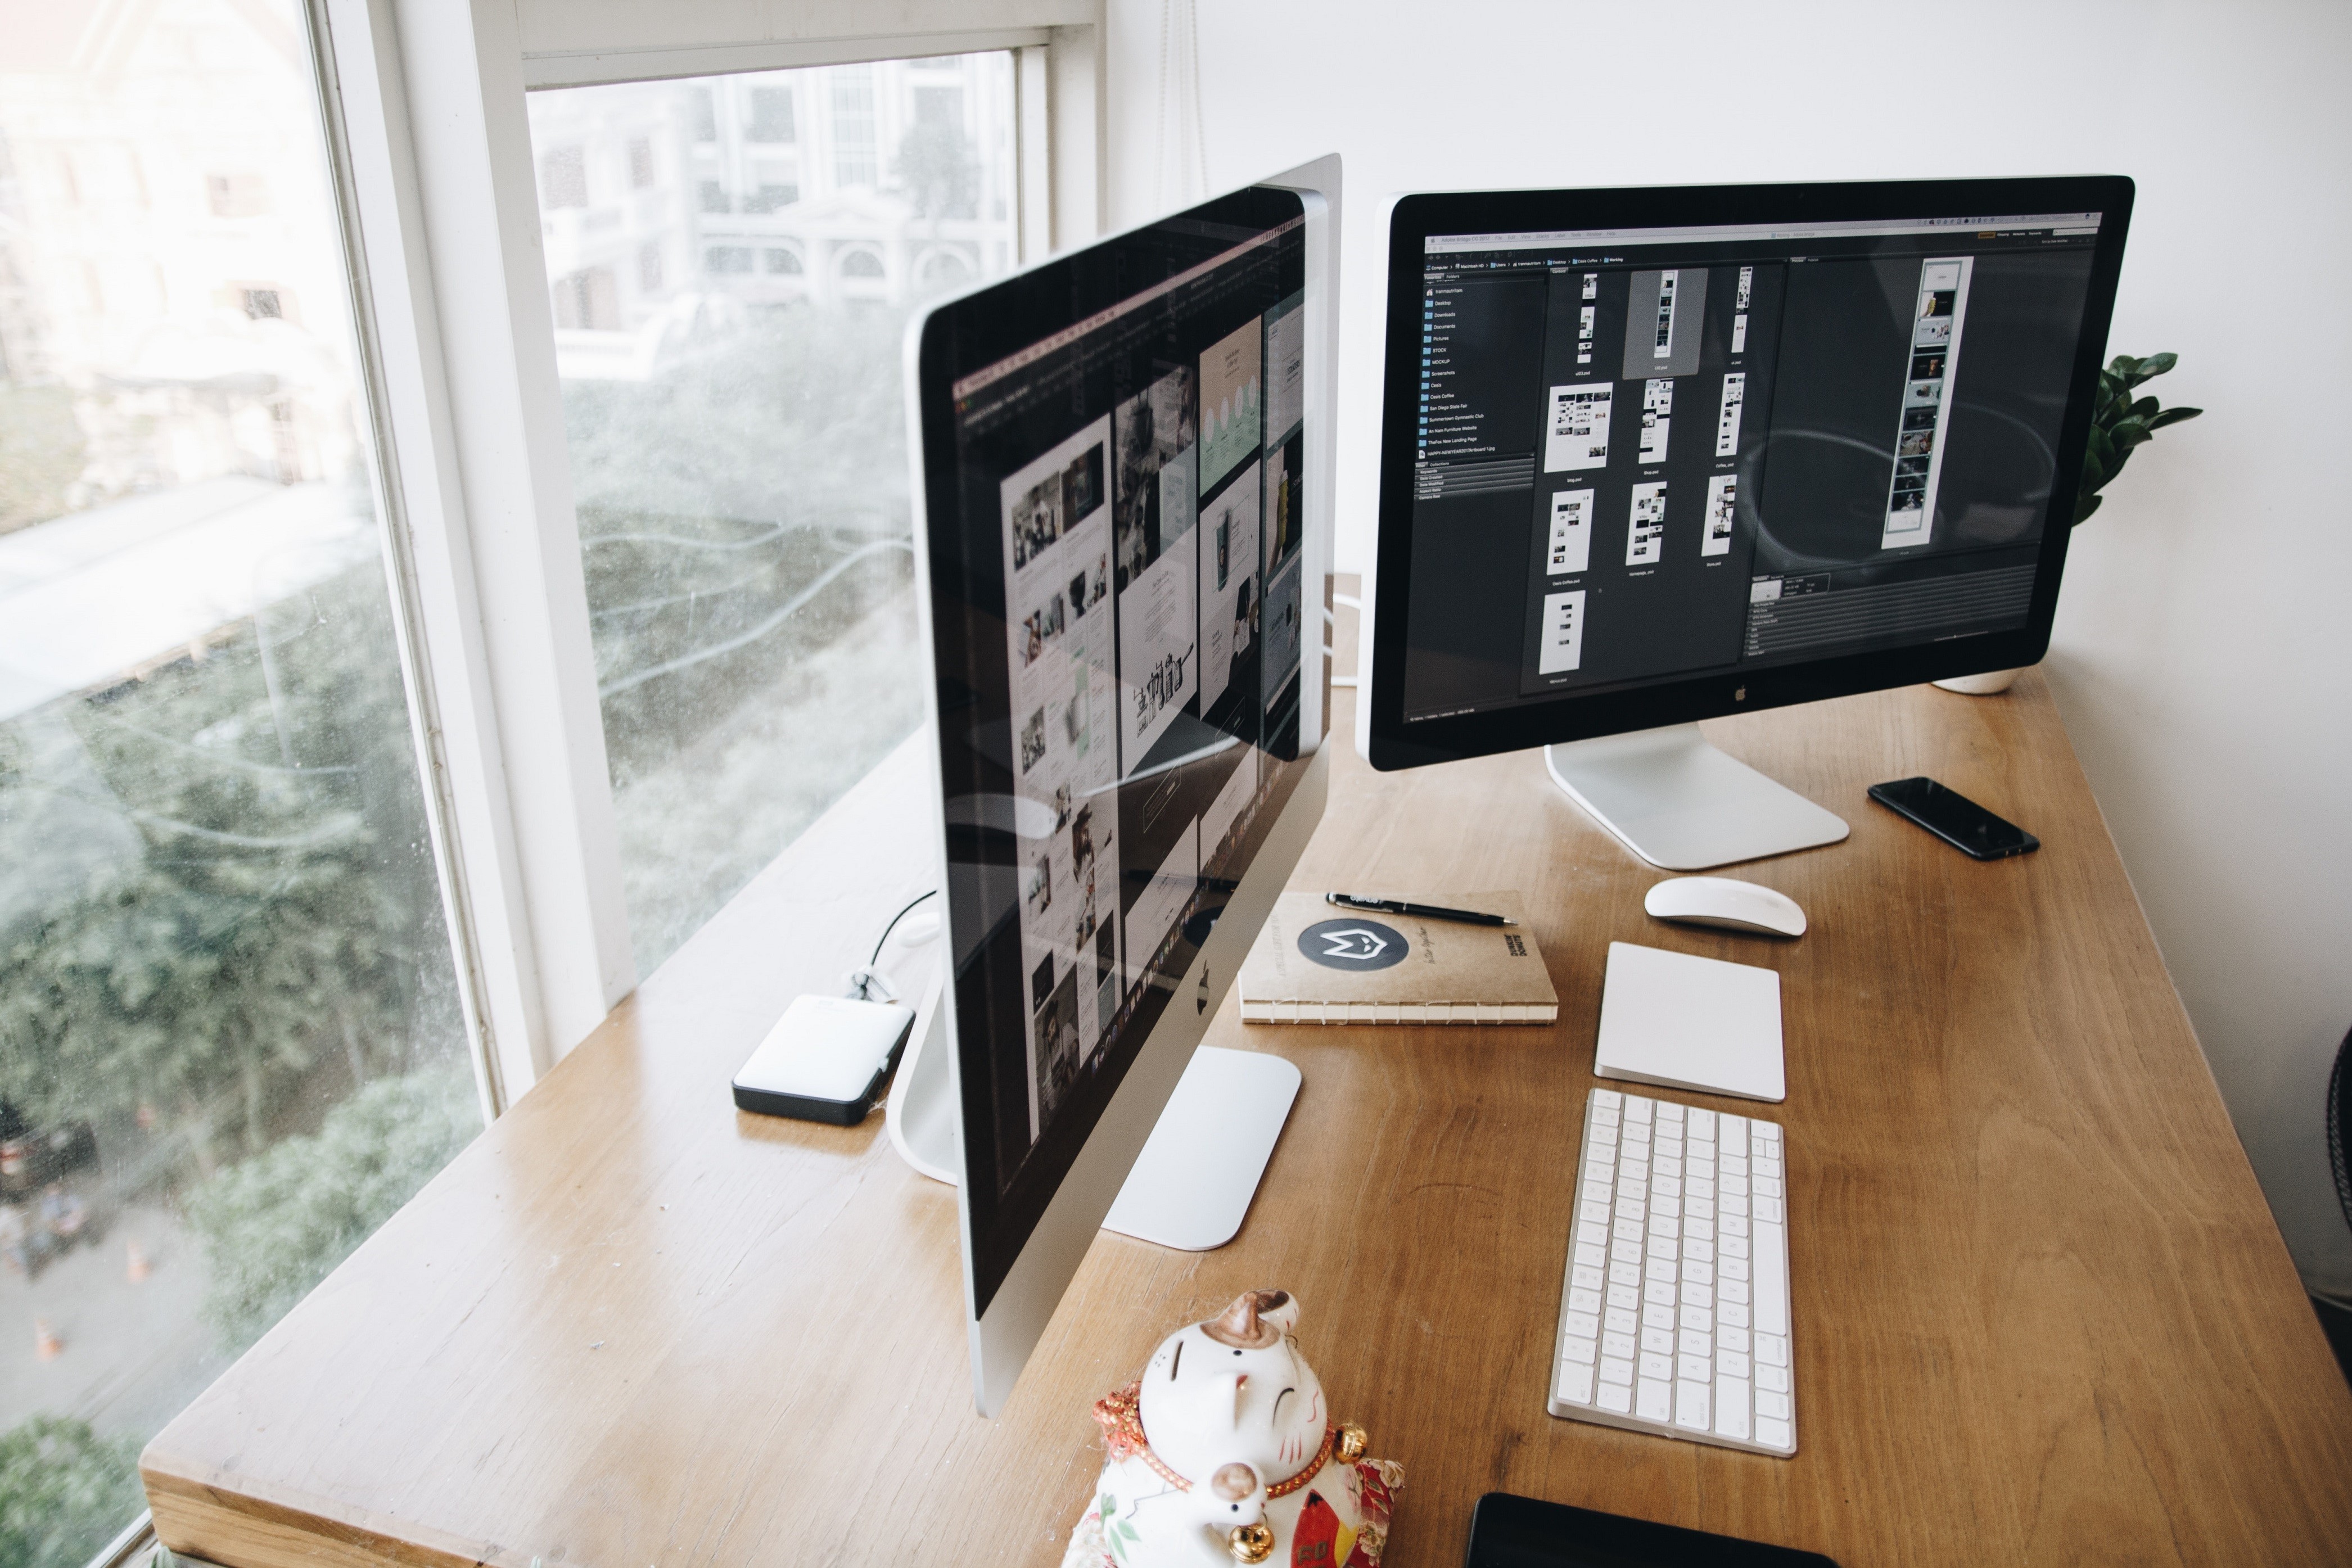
[[1688, 1022]]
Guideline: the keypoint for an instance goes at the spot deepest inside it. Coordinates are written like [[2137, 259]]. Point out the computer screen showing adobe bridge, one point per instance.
[[1643, 454]]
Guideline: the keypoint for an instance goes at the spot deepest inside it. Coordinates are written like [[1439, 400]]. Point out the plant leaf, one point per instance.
[[2173, 416], [2085, 504], [2126, 434], [2156, 364], [2145, 407]]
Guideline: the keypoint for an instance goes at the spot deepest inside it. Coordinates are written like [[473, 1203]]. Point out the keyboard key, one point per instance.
[[1583, 1277], [1656, 1366], [1771, 1280], [1593, 1254], [1660, 1269], [1732, 1338], [1694, 1368], [1768, 1208], [1617, 1399], [1638, 1108], [1694, 1271], [1666, 1205], [1773, 1404], [1621, 1345], [1635, 1209], [1625, 1249], [1659, 1246], [1607, 1100], [1730, 1364], [1616, 1369], [1697, 1318], [1691, 1403], [1772, 1350], [1701, 1122], [1732, 1314], [1735, 1243], [1774, 1434], [1577, 1350], [1698, 1249], [1766, 1186], [1654, 1400], [1654, 1316], [1690, 1342], [1621, 1318], [1731, 1131], [1736, 1291], [1575, 1385], [1665, 1187], [1668, 1111], [1666, 1225], [1659, 1293], [1583, 1300], [1731, 1267], [1580, 1325], [1695, 1294], [1730, 1407], [1662, 1164], [1658, 1341], [1775, 1378]]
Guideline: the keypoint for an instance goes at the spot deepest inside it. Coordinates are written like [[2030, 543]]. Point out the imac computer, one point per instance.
[[1651, 456], [1123, 482]]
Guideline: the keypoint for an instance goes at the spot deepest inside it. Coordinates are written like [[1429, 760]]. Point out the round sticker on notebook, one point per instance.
[[1353, 944]]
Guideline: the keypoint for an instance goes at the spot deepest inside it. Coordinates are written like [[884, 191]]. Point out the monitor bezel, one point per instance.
[[1391, 743]]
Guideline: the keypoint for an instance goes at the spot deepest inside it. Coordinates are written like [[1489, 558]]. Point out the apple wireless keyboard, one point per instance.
[[1674, 1316]]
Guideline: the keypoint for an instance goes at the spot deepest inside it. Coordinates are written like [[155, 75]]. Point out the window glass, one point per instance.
[[737, 434], [230, 1040]]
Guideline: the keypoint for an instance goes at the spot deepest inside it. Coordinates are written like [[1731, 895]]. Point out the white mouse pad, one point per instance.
[[1691, 1023]]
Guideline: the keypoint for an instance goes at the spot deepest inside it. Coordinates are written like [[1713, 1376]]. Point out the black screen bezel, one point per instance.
[[1394, 744]]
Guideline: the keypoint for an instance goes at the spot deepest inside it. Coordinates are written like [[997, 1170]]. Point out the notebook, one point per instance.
[[1316, 963]]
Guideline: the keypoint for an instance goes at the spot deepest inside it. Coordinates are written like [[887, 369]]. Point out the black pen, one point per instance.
[[1426, 911]]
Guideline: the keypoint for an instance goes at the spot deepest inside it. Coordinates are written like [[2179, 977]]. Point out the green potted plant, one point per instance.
[[2120, 423]]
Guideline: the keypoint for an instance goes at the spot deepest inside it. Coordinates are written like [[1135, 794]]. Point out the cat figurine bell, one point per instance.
[[1224, 1451]]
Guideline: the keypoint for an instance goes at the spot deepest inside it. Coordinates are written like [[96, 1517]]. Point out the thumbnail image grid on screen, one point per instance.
[[1673, 457]]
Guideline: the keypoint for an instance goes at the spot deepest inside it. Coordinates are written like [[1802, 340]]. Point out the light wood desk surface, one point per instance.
[[2041, 1313]]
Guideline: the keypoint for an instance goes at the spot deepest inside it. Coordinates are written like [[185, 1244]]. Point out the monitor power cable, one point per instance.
[[869, 984]]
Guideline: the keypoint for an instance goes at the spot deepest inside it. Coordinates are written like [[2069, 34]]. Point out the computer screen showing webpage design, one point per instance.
[[1646, 454], [1132, 532]]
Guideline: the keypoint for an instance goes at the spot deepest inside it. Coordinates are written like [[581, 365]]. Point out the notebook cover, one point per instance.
[[1316, 963]]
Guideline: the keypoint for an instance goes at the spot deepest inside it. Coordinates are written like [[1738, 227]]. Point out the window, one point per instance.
[[772, 114], [860, 264], [231, 1038], [641, 163], [649, 269], [856, 151], [714, 196], [563, 178], [939, 106], [230, 196], [702, 106], [742, 498], [588, 299]]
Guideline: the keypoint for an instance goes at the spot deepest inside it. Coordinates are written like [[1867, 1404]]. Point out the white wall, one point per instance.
[[2204, 638]]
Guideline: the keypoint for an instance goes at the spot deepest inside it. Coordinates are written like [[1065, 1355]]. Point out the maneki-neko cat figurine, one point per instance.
[[1224, 1450]]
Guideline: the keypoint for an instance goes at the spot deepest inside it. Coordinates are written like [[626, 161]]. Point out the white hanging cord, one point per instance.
[[1183, 161]]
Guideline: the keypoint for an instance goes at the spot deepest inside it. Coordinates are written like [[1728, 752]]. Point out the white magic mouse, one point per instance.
[[1726, 902]]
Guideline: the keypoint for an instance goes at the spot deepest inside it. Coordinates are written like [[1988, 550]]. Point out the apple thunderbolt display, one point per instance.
[[1650, 457]]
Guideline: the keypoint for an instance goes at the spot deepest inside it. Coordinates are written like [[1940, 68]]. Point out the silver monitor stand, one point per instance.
[[1682, 805]]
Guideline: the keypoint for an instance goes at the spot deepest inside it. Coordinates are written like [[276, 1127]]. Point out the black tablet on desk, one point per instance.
[[1508, 1531]]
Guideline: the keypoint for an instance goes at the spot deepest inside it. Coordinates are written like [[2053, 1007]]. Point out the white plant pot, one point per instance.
[[1982, 685]]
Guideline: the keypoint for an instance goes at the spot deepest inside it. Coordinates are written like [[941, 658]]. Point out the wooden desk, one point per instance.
[[2041, 1313]]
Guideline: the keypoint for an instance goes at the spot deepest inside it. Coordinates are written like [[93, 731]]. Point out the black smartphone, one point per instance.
[[1955, 819], [1508, 1531]]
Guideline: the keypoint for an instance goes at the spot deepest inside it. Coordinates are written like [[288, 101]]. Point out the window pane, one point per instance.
[[731, 400], [230, 1043]]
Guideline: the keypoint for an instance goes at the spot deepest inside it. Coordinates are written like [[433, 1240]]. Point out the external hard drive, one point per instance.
[[825, 1059]]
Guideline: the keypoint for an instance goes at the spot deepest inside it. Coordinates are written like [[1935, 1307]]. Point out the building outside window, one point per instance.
[[737, 446], [231, 1038]]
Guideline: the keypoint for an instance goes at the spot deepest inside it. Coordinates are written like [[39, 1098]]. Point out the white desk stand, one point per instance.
[[1682, 805]]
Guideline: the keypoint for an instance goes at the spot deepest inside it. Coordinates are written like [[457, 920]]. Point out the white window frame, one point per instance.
[[426, 112]]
